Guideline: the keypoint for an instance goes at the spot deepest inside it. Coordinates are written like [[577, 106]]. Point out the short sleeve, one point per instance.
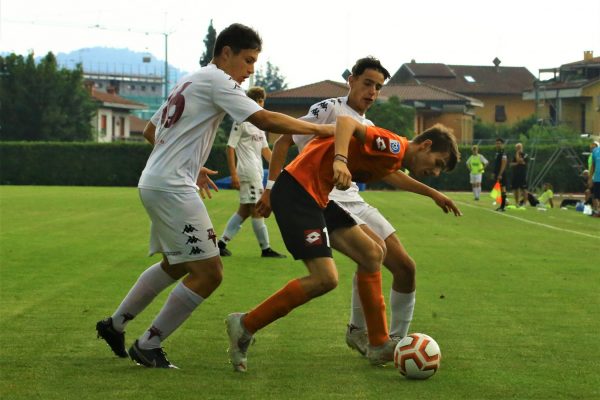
[[231, 98], [234, 135], [322, 112]]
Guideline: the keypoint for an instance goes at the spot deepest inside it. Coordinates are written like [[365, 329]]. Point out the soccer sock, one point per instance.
[[278, 305], [261, 232], [233, 227], [150, 283], [180, 304], [369, 290], [503, 203], [357, 317], [403, 306], [475, 192]]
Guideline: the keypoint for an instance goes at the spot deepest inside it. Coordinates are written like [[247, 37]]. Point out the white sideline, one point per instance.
[[505, 214]]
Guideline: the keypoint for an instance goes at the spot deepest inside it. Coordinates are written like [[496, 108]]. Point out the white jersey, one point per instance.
[[326, 112], [186, 125], [248, 142]]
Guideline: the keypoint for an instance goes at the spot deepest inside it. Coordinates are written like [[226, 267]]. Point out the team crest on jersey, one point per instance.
[[379, 143], [394, 146]]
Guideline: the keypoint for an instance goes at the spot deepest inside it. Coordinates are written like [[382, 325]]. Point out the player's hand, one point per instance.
[[446, 204], [205, 183], [325, 130], [235, 182], [342, 178], [263, 206]]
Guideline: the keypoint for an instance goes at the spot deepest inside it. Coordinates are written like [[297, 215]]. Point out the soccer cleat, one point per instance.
[[269, 252], [381, 354], [239, 340], [151, 358], [114, 338], [223, 249], [357, 339]]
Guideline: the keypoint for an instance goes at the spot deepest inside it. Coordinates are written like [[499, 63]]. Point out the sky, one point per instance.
[[313, 41]]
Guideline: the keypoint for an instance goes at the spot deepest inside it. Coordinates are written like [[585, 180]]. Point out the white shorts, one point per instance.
[[250, 192], [181, 228], [364, 214], [475, 178]]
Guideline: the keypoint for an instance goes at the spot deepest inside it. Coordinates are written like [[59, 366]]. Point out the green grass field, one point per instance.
[[513, 300]]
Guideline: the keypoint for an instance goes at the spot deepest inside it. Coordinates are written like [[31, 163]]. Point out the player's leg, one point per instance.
[[473, 182], [262, 234], [188, 241], [234, 224]]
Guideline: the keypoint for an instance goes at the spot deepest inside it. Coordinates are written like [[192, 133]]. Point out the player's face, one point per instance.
[[428, 163], [241, 65], [364, 89]]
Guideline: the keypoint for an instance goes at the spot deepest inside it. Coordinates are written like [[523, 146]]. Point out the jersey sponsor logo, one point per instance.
[[379, 143], [394, 146], [312, 237]]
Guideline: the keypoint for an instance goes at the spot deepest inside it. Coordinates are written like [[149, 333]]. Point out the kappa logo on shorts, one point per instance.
[[196, 250], [379, 143], [394, 146], [312, 237], [189, 229], [192, 239]]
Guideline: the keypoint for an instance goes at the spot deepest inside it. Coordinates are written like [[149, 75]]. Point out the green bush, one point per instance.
[[120, 164]]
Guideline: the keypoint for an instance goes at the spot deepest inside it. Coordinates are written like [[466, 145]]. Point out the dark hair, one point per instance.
[[500, 140], [239, 37], [442, 141], [369, 62], [256, 93]]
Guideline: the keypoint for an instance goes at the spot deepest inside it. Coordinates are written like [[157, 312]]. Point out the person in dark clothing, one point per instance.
[[519, 175], [500, 164]]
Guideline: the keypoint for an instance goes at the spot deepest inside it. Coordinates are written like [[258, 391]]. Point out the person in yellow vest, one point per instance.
[[476, 164]]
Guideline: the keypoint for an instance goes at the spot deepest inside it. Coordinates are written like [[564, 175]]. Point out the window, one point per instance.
[[500, 114], [103, 123], [469, 79], [143, 88]]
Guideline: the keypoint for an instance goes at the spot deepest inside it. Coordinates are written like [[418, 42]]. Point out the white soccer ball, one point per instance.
[[417, 356]]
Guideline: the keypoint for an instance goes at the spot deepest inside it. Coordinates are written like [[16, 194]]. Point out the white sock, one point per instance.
[[180, 304], [233, 227], [357, 316], [478, 190], [261, 232], [150, 283], [475, 192], [403, 306]]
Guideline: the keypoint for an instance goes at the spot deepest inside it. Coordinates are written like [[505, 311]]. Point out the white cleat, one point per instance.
[[239, 340], [357, 339], [383, 354]]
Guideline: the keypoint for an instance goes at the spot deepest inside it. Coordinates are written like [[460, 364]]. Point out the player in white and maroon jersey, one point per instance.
[[365, 83], [183, 131], [249, 146]]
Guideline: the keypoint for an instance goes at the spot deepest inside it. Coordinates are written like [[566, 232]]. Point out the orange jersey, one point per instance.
[[380, 155]]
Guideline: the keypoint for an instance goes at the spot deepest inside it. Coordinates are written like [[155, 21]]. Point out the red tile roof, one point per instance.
[[114, 100], [319, 90]]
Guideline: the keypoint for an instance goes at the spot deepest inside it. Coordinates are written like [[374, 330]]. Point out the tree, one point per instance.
[[209, 43], [393, 116], [40, 102], [271, 79]]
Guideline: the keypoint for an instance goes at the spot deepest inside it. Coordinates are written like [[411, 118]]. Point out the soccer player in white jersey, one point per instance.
[[183, 132], [366, 80], [248, 145]]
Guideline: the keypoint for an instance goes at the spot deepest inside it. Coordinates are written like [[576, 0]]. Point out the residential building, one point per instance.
[[572, 96], [500, 89]]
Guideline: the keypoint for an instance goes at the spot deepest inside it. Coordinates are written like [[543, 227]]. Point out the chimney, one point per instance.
[[89, 86], [588, 55], [497, 62]]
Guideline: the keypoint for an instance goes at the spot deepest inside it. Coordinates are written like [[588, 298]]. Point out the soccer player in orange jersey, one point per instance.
[[310, 224]]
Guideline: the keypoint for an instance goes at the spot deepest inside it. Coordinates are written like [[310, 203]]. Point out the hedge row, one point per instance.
[[120, 164]]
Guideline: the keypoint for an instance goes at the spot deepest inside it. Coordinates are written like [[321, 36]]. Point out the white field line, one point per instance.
[[505, 214]]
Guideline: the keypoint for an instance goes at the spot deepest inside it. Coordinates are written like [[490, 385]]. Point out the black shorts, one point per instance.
[[519, 179], [596, 190], [304, 225]]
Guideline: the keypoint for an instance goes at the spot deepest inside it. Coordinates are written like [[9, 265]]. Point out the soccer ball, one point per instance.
[[417, 356]]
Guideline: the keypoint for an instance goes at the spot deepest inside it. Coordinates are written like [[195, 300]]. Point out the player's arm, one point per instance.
[[345, 128], [275, 122], [402, 181], [266, 154], [149, 132], [205, 183], [278, 156], [235, 180]]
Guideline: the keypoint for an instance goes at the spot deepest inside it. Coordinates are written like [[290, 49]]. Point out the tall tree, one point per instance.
[[393, 116], [209, 43], [271, 79], [42, 102]]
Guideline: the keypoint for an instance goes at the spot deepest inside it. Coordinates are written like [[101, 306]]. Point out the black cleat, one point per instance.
[[115, 339], [151, 358], [269, 252], [223, 249]]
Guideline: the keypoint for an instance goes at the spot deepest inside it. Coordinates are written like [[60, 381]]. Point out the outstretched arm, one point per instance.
[[235, 180], [278, 155], [404, 182], [345, 128], [270, 121]]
